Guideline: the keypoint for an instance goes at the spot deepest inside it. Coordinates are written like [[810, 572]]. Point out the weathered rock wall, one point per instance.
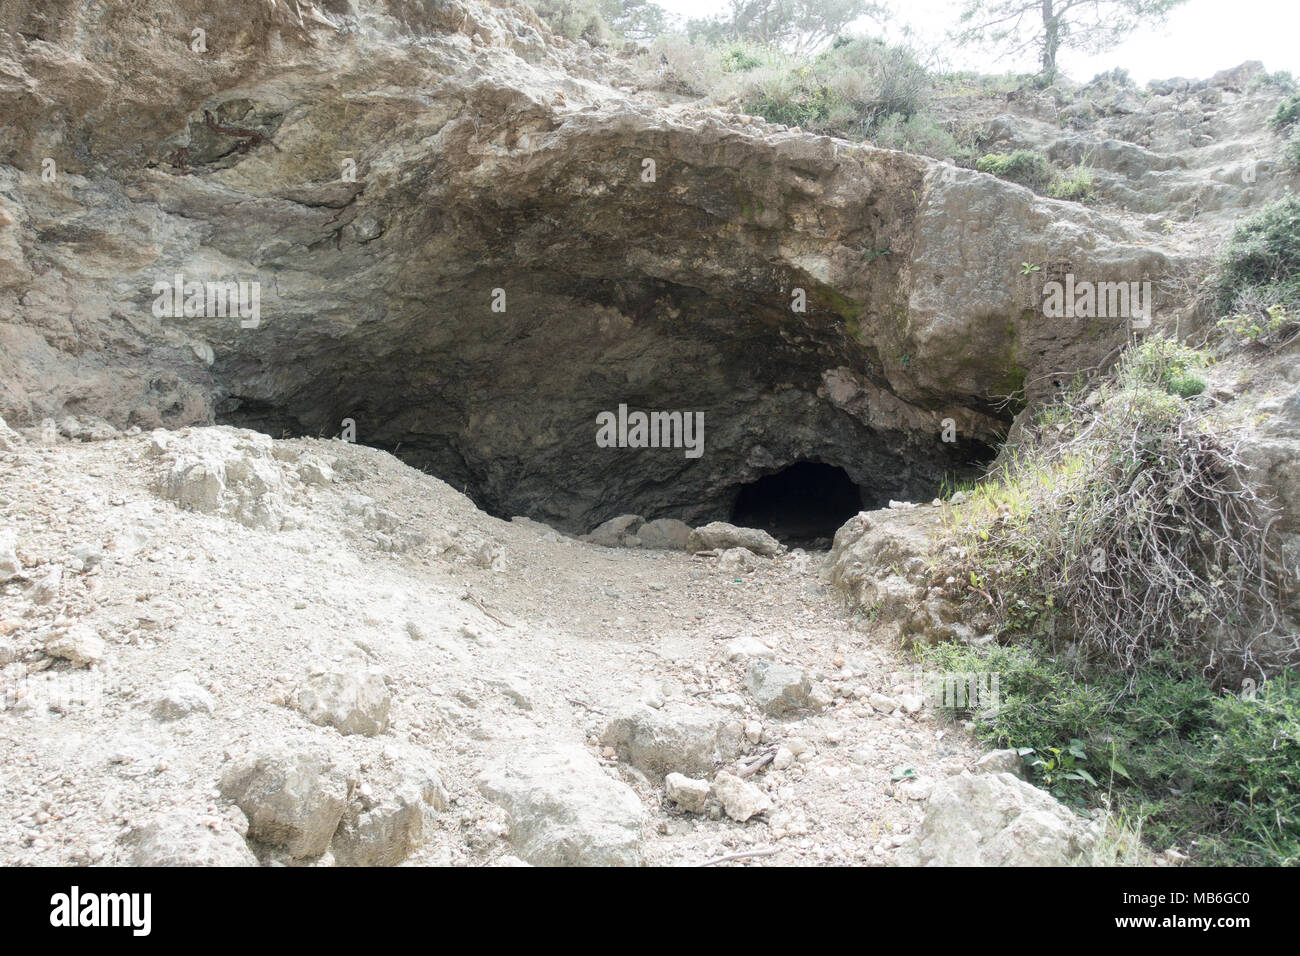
[[491, 168]]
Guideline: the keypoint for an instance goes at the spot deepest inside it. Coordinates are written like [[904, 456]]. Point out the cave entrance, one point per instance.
[[801, 506]]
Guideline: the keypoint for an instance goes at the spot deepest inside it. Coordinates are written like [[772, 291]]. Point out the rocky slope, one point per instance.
[[395, 676]]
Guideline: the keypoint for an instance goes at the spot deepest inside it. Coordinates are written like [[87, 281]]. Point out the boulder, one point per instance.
[[292, 800], [616, 532], [687, 739], [349, 697], [994, 819], [383, 832], [564, 810], [778, 689], [720, 536], [664, 534], [185, 838]]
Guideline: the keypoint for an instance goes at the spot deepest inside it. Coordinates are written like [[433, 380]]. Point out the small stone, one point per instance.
[[181, 697], [313, 471], [740, 799], [783, 759], [10, 566], [753, 731], [1001, 761], [882, 704], [78, 644], [912, 703], [821, 697], [745, 648], [687, 792]]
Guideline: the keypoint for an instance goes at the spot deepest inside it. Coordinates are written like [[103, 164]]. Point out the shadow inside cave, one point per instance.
[[802, 505]]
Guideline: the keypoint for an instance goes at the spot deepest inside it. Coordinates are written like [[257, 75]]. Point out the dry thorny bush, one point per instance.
[[1131, 526]]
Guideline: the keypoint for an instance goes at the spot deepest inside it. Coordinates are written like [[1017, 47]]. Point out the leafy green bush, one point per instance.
[[1024, 166], [1275, 328], [1287, 114], [1165, 363], [848, 90], [1213, 772], [574, 19], [919, 133], [1291, 150], [740, 59], [1076, 186], [1281, 80], [1263, 258]]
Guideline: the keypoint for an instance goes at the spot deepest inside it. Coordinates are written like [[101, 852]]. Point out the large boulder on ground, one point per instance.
[[227, 471], [381, 832], [664, 534], [720, 536], [883, 563], [617, 532], [994, 820], [292, 800], [679, 738], [564, 810]]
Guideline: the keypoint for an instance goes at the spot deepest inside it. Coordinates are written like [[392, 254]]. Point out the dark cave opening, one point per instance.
[[802, 505]]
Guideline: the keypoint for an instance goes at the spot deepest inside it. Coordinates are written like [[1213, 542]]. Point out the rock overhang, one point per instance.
[[814, 299]]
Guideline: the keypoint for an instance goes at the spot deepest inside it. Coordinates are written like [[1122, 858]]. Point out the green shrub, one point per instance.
[[919, 133], [848, 90], [574, 19], [1263, 256], [1276, 327], [1281, 80], [740, 59], [1023, 166], [1287, 114], [1212, 772], [1076, 186], [1291, 150], [1164, 363]]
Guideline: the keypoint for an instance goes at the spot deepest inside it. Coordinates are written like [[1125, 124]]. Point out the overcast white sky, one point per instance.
[[1201, 38]]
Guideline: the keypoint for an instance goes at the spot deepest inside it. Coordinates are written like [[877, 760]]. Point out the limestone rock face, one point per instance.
[[465, 253]]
